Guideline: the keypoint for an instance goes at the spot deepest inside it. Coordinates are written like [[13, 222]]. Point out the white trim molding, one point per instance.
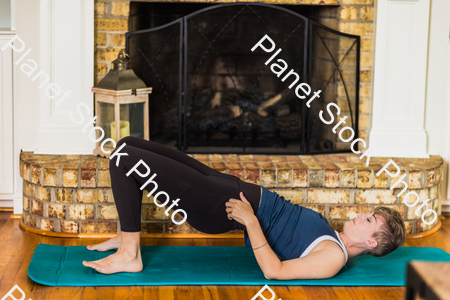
[[6, 119], [13, 15], [66, 53], [445, 185], [400, 73]]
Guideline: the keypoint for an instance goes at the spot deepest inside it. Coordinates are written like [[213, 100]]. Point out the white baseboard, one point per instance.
[[13, 200], [445, 205], [6, 203]]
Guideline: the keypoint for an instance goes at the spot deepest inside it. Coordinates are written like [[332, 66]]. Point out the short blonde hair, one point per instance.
[[392, 233]]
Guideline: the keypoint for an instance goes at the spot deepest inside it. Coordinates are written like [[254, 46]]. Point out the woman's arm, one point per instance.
[[268, 261], [323, 263], [242, 212]]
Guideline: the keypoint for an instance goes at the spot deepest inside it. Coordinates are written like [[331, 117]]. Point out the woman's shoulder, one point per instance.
[[332, 249]]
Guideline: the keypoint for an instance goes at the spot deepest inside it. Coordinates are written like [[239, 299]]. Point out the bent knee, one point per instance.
[[127, 140]]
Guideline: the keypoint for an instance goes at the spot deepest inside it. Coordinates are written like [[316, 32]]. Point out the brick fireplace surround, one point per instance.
[[71, 194]]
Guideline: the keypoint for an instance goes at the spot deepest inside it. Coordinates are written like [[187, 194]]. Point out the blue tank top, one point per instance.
[[291, 230]]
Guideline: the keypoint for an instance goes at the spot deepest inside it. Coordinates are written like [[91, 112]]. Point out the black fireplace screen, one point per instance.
[[211, 92]]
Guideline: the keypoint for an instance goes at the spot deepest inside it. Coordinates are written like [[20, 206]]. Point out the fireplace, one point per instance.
[[213, 94], [71, 194]]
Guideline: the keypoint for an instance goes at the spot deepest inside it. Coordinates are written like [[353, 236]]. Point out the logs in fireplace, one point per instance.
[[212, 93]]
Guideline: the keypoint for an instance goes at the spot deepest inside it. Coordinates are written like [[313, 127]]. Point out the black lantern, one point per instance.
[[121, 106]]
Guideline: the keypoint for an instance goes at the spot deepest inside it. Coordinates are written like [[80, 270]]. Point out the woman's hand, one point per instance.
[[241, 211]]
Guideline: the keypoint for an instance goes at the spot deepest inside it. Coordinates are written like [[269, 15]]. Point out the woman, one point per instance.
[[216, 203]]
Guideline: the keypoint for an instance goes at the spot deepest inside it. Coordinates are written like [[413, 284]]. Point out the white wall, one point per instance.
[[437, 106], [26, 91], [445, 190], [9, 186], [437, 80], [62, 46], [7, 152], [421, 105], [66, 54], [26, 106]]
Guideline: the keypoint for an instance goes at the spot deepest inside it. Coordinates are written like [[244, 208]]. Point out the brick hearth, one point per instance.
[[72, 193]]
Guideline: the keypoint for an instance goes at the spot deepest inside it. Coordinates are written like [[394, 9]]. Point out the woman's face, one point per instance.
[[361, 228]]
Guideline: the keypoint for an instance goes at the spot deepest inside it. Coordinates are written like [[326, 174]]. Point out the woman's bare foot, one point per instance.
[[113, 243], [126, 259], [118, 262]]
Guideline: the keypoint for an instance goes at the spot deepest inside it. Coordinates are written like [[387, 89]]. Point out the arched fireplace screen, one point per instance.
[[212, 93]]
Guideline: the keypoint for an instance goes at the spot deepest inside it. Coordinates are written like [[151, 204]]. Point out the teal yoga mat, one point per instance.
[[197, 265]]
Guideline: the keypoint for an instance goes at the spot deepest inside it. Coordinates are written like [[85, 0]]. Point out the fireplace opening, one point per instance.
[[211, 93]]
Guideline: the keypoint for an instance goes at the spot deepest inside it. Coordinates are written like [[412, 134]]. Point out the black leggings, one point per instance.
[[202, 191]]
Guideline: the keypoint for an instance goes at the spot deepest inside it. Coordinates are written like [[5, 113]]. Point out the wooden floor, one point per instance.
[[17, 248]]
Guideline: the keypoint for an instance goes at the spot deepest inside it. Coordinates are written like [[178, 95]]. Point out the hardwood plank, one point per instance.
[[150, 292], [72, 293], [290, 292], [357, 293], [323, 292], [341, 292], [233, 292], [166, 292], [376, 293], [63, 293], [15, 271], [97, 292], [128, 292], [4, 217], [15, 237], [187, 292], [5, 232], [7, 253], [210, 292]]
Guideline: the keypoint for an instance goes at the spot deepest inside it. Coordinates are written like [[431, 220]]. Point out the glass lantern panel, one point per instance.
[[104, 120], [132, 116]]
